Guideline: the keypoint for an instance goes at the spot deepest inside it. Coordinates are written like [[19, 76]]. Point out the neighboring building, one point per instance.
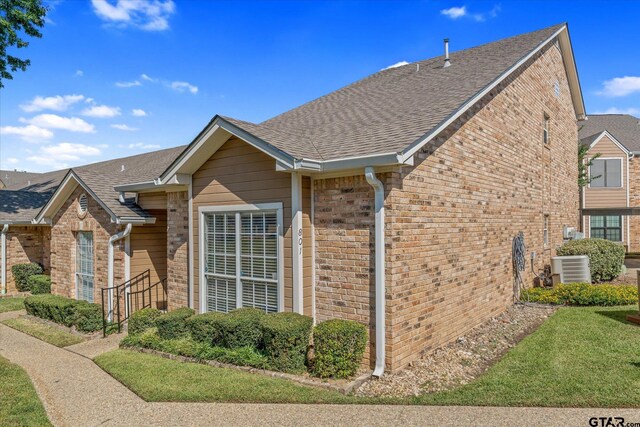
[[16, 177], [392, 202], [611, 202]]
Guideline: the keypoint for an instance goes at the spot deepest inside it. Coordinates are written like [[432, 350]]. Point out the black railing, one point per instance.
[[111, 297], [144, 298]]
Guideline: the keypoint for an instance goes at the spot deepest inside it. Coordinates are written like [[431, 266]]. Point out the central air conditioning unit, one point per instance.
[[571, 269]]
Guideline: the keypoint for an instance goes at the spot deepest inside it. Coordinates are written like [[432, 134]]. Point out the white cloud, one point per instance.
[[147, 78], [48, 162], [56, 103], [138, 112], [123, 127], [620, 86], [53, 121], [67, 151], [182, 86], [129, 84], [396, 65], [454, 12], [614, 110], [101, 111], [28, 133], [143, 146], [79, 73], [148, 15], [11, 161]]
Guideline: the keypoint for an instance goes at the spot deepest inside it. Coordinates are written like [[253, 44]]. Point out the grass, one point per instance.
[[19, 403], [46, 333], [156, 379], [11, 304], [583, 357]]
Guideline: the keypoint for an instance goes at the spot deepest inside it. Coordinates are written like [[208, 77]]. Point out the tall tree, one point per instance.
[[17, 19]]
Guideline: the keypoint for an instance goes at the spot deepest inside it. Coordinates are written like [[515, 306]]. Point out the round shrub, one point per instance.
[[286, 340], [22, 272], [39, 284], [142, 320], [338, 348], [87, 316], [605, 257], [241, 328], [173, 325], [207, 328]]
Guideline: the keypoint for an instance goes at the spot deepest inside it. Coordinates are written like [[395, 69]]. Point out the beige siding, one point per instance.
[[156, 200], [240, 174], [607, 197]]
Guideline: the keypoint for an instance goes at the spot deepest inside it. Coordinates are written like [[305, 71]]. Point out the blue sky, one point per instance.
[[116, 78]]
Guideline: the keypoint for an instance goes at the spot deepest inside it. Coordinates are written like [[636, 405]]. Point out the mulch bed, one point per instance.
[[463, 360]]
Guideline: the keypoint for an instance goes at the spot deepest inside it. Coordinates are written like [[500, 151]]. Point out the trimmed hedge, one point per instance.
[[142, 320], [338, 348], [286, 340], [22, 272], [207, 328], [173, 325], [241, 328], [605, 257], [84, 316], [39, 284], [584, 294]]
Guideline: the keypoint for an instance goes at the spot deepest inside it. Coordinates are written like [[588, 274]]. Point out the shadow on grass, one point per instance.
[[618, 315]]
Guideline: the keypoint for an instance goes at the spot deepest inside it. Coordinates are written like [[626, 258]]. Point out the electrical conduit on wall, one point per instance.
[[370, 175]]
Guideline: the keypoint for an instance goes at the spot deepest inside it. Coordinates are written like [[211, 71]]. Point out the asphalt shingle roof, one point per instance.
[[391, 109], [624, 127], [16, 177]]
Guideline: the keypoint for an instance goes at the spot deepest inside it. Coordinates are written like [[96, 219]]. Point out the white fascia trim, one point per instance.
[[613, 139], [417, 145], [138, 186]]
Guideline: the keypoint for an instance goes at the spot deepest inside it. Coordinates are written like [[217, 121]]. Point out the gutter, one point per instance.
[[370, 175], [118, 236], [3, 238]]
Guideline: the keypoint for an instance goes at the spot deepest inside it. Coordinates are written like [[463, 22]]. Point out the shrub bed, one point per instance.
[[241, 328], [39, 284], [583, 294], [173, 325], [22, 272], [338, 348], [605, 257], [142, 320], [206, 328], [84, 316], [286, 340]]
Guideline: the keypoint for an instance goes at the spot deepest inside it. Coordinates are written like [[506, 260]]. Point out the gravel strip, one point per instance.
[[463, 360]]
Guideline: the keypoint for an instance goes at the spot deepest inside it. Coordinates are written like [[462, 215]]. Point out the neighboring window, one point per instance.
[[241, 260], [606, 173], [83, 205], [545, 230], [84, 266], [606, 227], [545, 133]]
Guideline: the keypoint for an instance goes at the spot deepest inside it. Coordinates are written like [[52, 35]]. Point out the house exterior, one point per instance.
[[611, 200], [392, 202], [15, 177]]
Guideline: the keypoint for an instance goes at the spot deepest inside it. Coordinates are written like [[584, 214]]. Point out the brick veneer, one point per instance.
[[65, 225], [177, 249], [452, 217], [634, 202], [26, 244]]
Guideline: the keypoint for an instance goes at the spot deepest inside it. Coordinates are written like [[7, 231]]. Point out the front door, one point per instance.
[[84, 266]]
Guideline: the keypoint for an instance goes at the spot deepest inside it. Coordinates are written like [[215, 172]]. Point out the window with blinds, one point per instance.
[[241, 256], [84, 266]]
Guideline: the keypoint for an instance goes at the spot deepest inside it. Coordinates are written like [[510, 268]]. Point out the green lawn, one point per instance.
[[11, 304], [19, 403], [46, 333], [588, 357]]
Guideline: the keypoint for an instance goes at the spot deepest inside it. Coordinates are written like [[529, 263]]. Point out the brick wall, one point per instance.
[[26, 244], [65, 226], [634, 202], [177, 249], [452, 217]]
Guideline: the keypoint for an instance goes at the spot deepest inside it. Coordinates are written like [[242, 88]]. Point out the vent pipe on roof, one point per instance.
[[122, 168], [446, 53]]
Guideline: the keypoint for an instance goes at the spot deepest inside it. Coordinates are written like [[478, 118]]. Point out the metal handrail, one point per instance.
[[107, 317], [146, 295]]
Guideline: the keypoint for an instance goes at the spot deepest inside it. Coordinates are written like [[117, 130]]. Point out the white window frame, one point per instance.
[[623, 172], [77, 274], [203, 210]]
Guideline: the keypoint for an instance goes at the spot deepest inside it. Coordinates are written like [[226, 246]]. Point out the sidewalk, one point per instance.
[[76, 392]]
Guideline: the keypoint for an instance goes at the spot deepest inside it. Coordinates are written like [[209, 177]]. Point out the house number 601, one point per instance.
[[300, 241]]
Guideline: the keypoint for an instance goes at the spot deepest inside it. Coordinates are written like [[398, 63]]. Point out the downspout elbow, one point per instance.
[[378, 187]]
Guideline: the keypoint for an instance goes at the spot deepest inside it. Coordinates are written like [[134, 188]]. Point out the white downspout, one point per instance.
[[112, 240], [370, 175], [3, 238]]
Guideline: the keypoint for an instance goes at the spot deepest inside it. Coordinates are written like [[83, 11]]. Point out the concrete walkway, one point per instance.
[[76, 392]]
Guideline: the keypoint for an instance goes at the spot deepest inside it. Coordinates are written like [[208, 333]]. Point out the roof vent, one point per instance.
[[122, 168], [83, 205], [446, 53]]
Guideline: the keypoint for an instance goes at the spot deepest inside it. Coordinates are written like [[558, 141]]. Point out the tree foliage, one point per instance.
[[583, 166], [18, 18]]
